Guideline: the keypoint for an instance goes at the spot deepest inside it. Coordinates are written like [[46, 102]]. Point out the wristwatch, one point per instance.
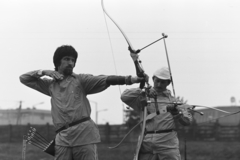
[[39, 73]]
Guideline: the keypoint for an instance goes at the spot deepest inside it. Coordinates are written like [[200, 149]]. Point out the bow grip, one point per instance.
[[139, 70], [140, 73]]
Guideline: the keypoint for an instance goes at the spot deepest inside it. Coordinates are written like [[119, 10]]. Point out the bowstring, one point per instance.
[[110, 42], [113, 57]]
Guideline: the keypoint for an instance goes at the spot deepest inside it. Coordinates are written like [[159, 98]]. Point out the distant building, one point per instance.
[[231, 120], [25, 116]]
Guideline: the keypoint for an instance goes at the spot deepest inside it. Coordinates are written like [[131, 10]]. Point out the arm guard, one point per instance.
[[119, 80]]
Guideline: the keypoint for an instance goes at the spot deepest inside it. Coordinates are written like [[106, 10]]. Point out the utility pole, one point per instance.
[[96, 108], [34, 110], [97, 114], [97, 111], [19, 114]]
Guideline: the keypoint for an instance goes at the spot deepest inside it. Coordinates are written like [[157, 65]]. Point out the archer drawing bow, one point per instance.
[[140, 73]]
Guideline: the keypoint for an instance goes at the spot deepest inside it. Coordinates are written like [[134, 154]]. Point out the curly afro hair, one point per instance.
[[62, 51]]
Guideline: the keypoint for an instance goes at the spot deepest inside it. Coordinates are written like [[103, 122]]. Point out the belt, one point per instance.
[[66, 126], [160, 131]]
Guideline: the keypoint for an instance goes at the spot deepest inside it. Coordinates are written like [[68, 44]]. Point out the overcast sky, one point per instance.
[[203, 45]]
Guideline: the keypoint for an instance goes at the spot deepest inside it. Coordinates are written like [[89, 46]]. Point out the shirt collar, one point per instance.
[[74, 75]]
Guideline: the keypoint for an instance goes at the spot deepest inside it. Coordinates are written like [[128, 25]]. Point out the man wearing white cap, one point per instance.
[[160, 141]]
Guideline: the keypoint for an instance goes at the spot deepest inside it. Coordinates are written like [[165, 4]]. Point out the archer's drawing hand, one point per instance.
[[146, 77], [152, 93], [54, 74]]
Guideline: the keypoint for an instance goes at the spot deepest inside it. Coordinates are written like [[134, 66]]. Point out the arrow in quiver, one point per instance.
[[35, 138]]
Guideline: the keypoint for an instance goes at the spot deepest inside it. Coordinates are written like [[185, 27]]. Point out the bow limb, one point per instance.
[[226, 115], [141, 136], [140, 73], [148, 117], [193, 106], [220, 110], [139, 69], [124, 35]]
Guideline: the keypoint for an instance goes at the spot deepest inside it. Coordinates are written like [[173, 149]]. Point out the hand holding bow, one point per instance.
[[139, 69]]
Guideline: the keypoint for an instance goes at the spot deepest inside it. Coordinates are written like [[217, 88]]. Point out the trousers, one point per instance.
[[84, 152], [170, 154]]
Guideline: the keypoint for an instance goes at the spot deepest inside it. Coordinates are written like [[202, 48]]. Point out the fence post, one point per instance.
[[216, 130], [48, 132], [28, 127], [238, 138], [107, 132], [10, 133], [193, 130]]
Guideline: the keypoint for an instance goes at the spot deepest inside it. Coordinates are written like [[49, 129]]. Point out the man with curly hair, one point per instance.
[[77, 134]]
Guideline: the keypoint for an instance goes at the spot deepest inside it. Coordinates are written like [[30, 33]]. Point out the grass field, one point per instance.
[[195, 151]]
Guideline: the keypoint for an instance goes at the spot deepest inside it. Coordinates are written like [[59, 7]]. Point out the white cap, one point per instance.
[[162, 73]]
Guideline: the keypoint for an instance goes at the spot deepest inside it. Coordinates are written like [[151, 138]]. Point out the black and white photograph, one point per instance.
[[120, 80]]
